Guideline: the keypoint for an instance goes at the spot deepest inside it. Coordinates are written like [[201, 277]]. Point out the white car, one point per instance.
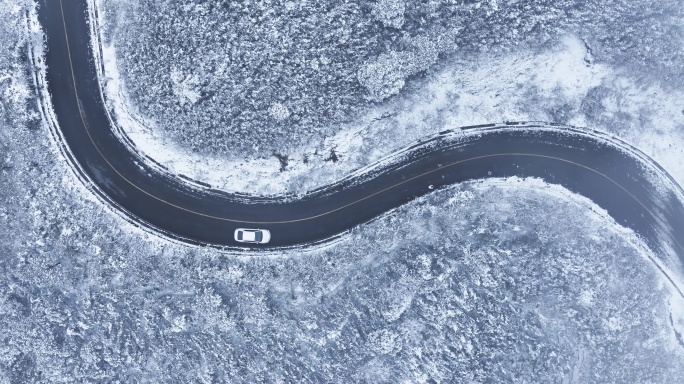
[[254, 236]]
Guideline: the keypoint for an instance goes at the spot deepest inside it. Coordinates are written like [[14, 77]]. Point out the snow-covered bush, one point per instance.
[[239, 85]]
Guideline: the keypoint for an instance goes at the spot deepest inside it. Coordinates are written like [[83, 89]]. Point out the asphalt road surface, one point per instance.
[[579, 160]]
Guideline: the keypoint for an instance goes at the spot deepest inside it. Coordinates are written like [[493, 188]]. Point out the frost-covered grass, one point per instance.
[[618, 70]]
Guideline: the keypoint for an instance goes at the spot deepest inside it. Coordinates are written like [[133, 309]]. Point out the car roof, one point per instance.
[[249, 235]]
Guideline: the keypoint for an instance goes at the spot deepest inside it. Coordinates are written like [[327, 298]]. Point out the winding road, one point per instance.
[[615, 176]]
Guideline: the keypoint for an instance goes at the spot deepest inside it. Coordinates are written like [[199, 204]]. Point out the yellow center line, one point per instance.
[[85, 125]]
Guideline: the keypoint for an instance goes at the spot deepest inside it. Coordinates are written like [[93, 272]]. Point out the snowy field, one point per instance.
[[605, 65], [517, 281]]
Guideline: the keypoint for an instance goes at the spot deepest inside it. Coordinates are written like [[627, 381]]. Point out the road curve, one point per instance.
[[615, 176]]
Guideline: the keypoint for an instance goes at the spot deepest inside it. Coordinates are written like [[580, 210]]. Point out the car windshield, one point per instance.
[[258, 236], [239, 235]]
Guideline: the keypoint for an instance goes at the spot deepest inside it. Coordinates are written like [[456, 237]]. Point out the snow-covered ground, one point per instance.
[[517, 280], [516, 274], [565, 80]]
